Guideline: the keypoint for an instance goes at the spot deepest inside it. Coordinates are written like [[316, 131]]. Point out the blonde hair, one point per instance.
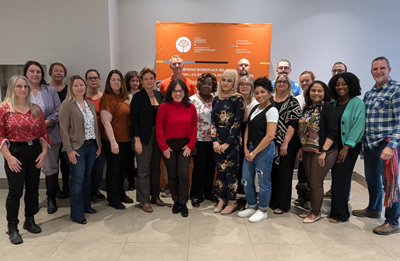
[[10, 96], [70, 93]]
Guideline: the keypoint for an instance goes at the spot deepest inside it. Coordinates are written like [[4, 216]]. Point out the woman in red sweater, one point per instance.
[[176, 128]]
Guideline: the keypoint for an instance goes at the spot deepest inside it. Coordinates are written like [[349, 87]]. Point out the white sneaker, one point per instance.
[[247, 212], [258, 216]]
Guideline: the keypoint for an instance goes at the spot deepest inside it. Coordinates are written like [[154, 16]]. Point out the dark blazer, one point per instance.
[[328, 126], [142, 115]]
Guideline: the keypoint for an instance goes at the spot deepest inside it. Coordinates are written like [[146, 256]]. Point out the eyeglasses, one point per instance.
[[283, 68], [177, 91], [245, 84], [207, 84], [92, 78], [338, 71], [281, 82]]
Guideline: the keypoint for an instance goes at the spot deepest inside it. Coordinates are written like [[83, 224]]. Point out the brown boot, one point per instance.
[[157, 201], [146, 207]]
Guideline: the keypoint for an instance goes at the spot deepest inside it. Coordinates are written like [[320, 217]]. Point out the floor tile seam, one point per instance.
[[55, 249], [122, 249], [385, 251], [251, 240]]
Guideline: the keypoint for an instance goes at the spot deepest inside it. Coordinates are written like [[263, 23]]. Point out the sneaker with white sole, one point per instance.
[[247, 212], [258, 216]]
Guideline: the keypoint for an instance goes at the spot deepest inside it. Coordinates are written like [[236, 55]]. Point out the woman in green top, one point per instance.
[[350, 110]]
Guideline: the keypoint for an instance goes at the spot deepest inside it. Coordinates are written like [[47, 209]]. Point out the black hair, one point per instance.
[[327, 95], [28, 64], [92, 70], [263, 82], [168, 94], [352, 81], [203, 77]]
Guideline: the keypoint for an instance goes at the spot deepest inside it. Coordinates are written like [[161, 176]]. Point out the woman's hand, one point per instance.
[[72, 157], [248, 155], [321, 159], [138, 148], [342, 154], [217, 147], [223, 147], [14, 164], [40, 159], [283, 149], [300, 155], [167, 153], [114, 148], [98, 152], [186, 151]]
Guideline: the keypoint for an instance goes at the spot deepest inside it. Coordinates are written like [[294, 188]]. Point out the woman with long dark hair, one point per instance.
[[114, 113]]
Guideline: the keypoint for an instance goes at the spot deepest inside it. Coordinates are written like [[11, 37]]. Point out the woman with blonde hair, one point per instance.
[[81, 145], [24, 142]]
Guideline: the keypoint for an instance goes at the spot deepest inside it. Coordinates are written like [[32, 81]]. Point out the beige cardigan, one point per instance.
[[72, 126]]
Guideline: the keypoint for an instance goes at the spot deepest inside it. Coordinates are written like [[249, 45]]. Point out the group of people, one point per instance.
[[250, 132]]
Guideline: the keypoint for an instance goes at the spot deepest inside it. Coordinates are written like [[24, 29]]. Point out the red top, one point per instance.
[[97, 106], [18, 127], [189, 83], [175, 120]]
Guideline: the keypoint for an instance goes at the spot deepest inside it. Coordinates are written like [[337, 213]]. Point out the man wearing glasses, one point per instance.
[[338, 67], [285, 67]]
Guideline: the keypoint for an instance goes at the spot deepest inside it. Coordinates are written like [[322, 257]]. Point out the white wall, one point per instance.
[[74, 32], [311, 34]]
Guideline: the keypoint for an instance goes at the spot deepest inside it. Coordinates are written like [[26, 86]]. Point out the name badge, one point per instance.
[[30, 143]]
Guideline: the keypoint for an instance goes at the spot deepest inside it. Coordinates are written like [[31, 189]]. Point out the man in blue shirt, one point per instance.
[[285, 67], [382, 137]]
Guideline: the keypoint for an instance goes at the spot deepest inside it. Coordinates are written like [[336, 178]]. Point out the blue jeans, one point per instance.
[[262, 166], [80, 184], [97, 171], [375, 175]]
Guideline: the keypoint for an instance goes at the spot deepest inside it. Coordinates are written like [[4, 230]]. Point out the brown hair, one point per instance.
[[123, 94], [59, 64]]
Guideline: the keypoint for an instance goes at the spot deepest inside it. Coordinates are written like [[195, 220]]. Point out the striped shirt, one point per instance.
[[382, 115]]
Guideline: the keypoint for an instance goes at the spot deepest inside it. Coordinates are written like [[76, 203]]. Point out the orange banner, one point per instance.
[[213, 47]]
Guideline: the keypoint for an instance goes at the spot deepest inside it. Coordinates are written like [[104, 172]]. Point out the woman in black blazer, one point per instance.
[[144, 106]]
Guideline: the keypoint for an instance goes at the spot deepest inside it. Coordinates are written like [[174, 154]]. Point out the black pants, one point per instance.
[[178, 176], [281, 177], [64, 171], [28, 176], [131, 171], [341, 183], [116, 163], [301, 173], [203, 170]]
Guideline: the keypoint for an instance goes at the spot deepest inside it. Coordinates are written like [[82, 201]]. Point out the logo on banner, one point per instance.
[[183, 44]]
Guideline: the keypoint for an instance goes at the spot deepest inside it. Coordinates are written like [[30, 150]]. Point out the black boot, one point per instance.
[[176, 208], [184, 210], [51, 205], [31, 226], [13, 233]]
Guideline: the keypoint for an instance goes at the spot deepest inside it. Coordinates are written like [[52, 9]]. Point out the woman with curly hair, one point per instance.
[[228, 113], [350, 109], [204, 165]]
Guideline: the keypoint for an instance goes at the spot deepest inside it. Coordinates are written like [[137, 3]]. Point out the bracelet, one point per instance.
[[251, 154]]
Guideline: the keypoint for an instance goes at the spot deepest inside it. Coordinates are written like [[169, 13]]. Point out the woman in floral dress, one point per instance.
[[228, 113]]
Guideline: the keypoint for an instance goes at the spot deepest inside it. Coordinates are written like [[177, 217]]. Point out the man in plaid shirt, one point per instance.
[[382, 121]]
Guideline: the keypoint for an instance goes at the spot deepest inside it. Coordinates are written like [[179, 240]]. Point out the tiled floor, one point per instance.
[[132, 234]]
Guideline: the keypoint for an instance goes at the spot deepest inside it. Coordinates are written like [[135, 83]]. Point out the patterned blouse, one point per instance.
[[19, 127], [89, 121], [203, 110], [309, 128]]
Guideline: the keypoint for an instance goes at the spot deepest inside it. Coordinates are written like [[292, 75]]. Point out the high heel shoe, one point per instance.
[[229, 208], [218, 208]]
